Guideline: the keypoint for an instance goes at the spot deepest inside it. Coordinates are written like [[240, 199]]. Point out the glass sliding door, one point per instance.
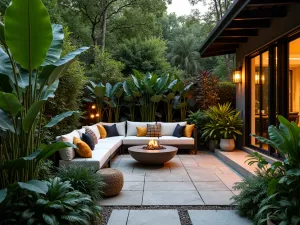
[[260, 98]]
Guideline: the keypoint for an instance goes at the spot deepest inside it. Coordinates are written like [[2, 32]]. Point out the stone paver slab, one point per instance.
[[217, 217], [229, 180], [216, 197], [124, 198], [166, 177], [153, 217], [169, 186], [133, 176], [133, 186], [202, 176], [118, 217], [211, 186], [172, 198]]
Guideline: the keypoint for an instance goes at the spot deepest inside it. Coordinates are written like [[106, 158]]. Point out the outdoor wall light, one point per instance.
[[237, 76]]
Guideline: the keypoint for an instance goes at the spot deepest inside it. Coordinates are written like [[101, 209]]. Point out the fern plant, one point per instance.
[[51, 202], [83, 178]]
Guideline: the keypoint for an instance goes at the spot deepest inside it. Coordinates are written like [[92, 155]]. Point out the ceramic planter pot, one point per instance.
[[227, 144], [213, 144]]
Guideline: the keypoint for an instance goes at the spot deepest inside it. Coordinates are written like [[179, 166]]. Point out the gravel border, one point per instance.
[[182, 211]]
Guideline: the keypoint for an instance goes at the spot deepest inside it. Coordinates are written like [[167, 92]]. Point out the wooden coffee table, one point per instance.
[[152, 156]]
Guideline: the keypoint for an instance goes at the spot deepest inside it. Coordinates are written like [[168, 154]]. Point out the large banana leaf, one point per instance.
[[162, 82], [5, 65], [108, 88], [55, 49], [5, 122], [28, 32], [156, 98], [127, 88], [136, 81], [116, 88], [3, 194], [99, 91], [48, 91], [31, 115], [51, 149], [10, 103], [59, 118]]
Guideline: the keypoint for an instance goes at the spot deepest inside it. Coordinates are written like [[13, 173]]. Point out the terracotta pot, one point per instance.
[[270, 222], [213, 144], [227, 144]]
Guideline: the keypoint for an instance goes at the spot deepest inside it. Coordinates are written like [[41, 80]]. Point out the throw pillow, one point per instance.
[[82, 149], [111, 130], [102, 131], [178, 132], [94, 128], [141, 131], [188, 131], [87, 138], [68, 153], [153, 130], [88, 130]]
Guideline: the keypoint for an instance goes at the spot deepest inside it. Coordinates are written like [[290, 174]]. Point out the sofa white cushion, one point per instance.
[[94, 128], [81, 131], [171, 140], [113, 143], [134, 140], [167, 129], [68, 153], [131, 127], [98, 159], [120, 127]]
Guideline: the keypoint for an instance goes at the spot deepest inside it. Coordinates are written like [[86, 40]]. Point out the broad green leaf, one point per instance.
[[126, 88], [119, 93], [187, 88], [135, 81], [172, 84], [162, 83], [48, 91], [2, 36], [41, 185], [27, 214], [55, 49], [59, 118], [156, 98], [58, 71], [99, 91], [5, 65], [52, 148], [34, 186], [31, 115], [50, 219], [10, 103], [108, 88], [70, 56], [116, 88], [28, 32], [18, 163], [170, 96], [6, 122], [3, 194]]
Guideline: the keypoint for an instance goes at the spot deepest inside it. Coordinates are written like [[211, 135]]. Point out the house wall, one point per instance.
[[279, 27]]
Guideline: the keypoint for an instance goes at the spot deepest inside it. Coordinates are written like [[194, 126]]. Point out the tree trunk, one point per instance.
[[228, 66], [104, 22], [94, 38]]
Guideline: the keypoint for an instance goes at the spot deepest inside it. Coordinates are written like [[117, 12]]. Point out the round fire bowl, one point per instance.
[[152, 156]]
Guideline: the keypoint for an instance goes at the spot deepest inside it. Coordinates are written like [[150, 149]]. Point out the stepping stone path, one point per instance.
[[171, 217]]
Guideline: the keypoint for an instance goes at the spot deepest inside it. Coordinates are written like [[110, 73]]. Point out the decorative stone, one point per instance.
[[114, 181]]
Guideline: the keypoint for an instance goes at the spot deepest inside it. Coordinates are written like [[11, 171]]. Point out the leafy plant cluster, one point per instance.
[[145, 92], [227, 93], [281, 203], [224, 122]]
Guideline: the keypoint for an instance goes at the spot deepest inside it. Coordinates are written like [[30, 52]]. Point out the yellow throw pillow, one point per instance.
[[102, 131], [188, 131], [141, 131], [82, 148]]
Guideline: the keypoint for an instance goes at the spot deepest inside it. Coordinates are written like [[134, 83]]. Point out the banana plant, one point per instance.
[[97, 95], [168, 98], [112, 99], [31, 63], [130, 98]]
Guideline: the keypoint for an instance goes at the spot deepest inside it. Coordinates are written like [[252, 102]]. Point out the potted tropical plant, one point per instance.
[[282, 204], [224, 123]]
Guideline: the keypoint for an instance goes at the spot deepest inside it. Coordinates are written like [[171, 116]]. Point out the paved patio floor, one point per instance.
[[200, 179], [171, 217]]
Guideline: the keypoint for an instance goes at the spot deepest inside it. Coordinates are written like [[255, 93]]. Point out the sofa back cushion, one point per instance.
[[167, 129], [131, 127], [120, 127], [111, 130], [68, 153]]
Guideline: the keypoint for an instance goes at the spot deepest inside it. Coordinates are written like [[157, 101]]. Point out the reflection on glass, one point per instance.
[[294, 80]]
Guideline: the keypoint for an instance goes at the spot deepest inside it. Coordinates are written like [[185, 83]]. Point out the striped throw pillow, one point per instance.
[[153, 130], [89, 131]]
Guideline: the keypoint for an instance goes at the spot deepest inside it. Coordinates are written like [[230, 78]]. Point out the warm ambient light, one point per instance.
[[93, 106], [92, 116], [97, 115], [257, 78], [237, 76]]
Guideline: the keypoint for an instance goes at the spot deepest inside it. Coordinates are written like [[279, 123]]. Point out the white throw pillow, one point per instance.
[[68, 153], [94, 128], [167, 129], [131, 127], [120, 127]]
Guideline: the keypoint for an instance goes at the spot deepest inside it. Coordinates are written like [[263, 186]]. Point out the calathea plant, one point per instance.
[[30, 67]]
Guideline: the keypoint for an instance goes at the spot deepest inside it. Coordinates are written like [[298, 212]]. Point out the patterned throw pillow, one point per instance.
[[89, 131], [153, 130]]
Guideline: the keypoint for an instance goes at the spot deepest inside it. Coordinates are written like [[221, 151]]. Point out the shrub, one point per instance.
[[83, 178], [45, 170], [227, 93], [49, 202], [198, 118]]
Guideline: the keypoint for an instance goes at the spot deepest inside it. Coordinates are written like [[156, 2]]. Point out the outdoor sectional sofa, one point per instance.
[[106, 148]]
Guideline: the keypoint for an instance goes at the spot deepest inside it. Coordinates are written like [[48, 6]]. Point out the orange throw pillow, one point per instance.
[[82, 148], [102, 131], [188, 131], [141, 131]]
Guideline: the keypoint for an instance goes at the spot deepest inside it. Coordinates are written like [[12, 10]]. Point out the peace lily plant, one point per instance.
[[30, 68]]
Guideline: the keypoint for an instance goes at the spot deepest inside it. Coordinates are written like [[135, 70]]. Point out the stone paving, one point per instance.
[[171, 217], [200, 179]]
